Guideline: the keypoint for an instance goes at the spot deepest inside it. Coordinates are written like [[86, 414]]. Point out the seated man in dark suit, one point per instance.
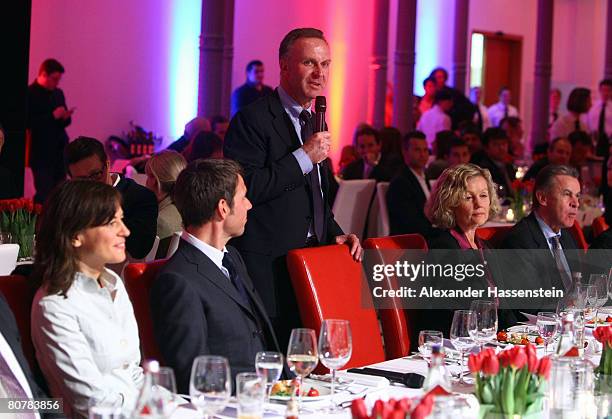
[[373, 164], [494, 157], [85, 158], [203, 301], [556, 196], [559, 152], [16, 379], [410, 189], [604, 240]]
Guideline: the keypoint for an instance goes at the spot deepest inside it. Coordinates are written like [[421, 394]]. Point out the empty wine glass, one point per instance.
[[461, 332], [269, 366], [547, 324], [335, 349], [163, 392], [428, 338], [600, 282], [587, 299], [210, 384], [302, 356], [486, 321]]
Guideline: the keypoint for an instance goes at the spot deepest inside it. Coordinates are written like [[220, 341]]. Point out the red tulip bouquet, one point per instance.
[[511, 382], [18, 218], [603, 384]]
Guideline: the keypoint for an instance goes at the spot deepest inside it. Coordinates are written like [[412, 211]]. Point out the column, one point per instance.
[[211, 58], [403, 99], [378, 65], [228, 57], [608, 61], [543, 70], [462, 9]]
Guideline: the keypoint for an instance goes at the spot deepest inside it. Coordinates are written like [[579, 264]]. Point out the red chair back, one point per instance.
[[599, 226], [578, 235], [138, 281], [396, 324], [19, 294], [328, 284], [493, 235]]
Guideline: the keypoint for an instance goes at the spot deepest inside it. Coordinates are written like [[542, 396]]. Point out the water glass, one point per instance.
[[428, 338], [163, 392], [571, 387], [600, 282], [486, 321], [269, 366], [335, 350], [251, 394], [210, 384], [104, 410], [461, 332], [548, 325]]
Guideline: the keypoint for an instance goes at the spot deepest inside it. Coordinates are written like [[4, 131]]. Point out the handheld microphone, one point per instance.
[[320, 107]]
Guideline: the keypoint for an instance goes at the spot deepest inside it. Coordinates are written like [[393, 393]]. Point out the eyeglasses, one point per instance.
[[97, 175]]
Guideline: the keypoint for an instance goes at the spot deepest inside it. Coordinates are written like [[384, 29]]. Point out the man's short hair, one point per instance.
[[493, 133], [545, 178], [435, 70], [606, 82], [217, 119], [512, 121], [457, 142], [252, 64], [82, 148], [200, 187], [50, 66], [555, 141], [443, 141], [501, 90], [367, 130], [296, 34], [442, 94], [429, 79], [578, 100], [580, 137], [419, 135]]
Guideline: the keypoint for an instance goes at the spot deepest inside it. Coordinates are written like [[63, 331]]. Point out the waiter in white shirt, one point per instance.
[[599, 119], [503, 108], [481, 116], [436, 119]]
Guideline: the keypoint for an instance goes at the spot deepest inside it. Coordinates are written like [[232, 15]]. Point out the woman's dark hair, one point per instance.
[[578, 100], [391, 141], [71, 208]]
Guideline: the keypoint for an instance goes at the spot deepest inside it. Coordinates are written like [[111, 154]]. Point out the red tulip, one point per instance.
[[603, 334], [358, 409], [518, 359], [423, 409], [504, 358], [544, 367], [490, 365], [532, 358], [475, 363]]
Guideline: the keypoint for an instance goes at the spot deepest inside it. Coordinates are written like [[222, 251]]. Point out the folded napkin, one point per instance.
[[364, 379], [531, 319]]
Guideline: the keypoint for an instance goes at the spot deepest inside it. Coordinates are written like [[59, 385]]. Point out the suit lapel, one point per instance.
[[415, 184], [536, 232], [282, 123]]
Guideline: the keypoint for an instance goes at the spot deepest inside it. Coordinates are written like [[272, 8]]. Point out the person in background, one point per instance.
[[604, 240], [554, 103], [559, 152], [514, 128], [193, 128], [8, 183], [391, 141], [441, 149], [203, 146], [162, 169], [347, 156], [48, 117], [494, 157], [503, 108], [253, 89], [83, 324], [85, 158], [436, 119], [410, 189], [599, 118], [373, 164], [582, 147], [219, 125], [481, 116], [578, 104], [426, 102], [459, 152], [471, 136], [462, 109]]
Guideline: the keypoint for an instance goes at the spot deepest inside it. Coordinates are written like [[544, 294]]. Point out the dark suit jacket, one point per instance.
[[386, 169], [604, 240], [535, 168], [140, 216], [197, 311], [405, 203], [497, 174], [261, 138]]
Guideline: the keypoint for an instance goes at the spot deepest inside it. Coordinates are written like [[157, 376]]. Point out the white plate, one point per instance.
[[323, 389]]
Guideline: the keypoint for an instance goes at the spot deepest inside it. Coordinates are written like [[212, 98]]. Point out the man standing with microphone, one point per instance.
[[274, 141]]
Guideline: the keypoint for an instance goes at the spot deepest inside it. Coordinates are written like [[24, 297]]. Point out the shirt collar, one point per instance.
[[289, 104], [89, 284], [548, 232], [213, 253]]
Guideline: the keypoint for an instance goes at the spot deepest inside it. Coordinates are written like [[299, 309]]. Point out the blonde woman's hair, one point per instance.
[[449, 190], [165, 167]]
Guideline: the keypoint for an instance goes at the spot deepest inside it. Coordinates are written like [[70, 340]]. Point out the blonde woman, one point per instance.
[[162, 169]]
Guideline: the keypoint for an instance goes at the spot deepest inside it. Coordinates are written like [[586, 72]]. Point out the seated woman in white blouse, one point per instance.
[[83, 324]]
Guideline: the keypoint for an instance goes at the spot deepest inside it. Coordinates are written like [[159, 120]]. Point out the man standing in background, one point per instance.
[[48, 118], [253, 89]]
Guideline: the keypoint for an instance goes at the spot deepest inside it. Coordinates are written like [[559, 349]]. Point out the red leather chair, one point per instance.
[[396, 325], [578, 235], [599, 226], [328, 284], [138, 280], [19, 294], [494, 235]]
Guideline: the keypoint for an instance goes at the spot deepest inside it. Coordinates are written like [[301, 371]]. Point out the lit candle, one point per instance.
[[510, 215]]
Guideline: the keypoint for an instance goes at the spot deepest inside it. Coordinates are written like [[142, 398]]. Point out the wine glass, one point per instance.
[[269, 366], [486, 321], [210, 384], [461, 332], [587, 299], [600, 281], [163, 392], [335, 349], [302, 356], [548, 325], [428, 338]]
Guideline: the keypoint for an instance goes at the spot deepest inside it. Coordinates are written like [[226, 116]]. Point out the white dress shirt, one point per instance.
[[432, 122], [593, 117], [87, 343], [565, 125], [422, 182], [497, 112], [484, 112]]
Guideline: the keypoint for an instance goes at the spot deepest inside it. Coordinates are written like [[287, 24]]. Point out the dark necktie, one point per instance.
[[228, 264], [559, 261], [505, 111], [479, 124], [577, 124], [10, 385], [601, 126], [315, 184], [603, 146]]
